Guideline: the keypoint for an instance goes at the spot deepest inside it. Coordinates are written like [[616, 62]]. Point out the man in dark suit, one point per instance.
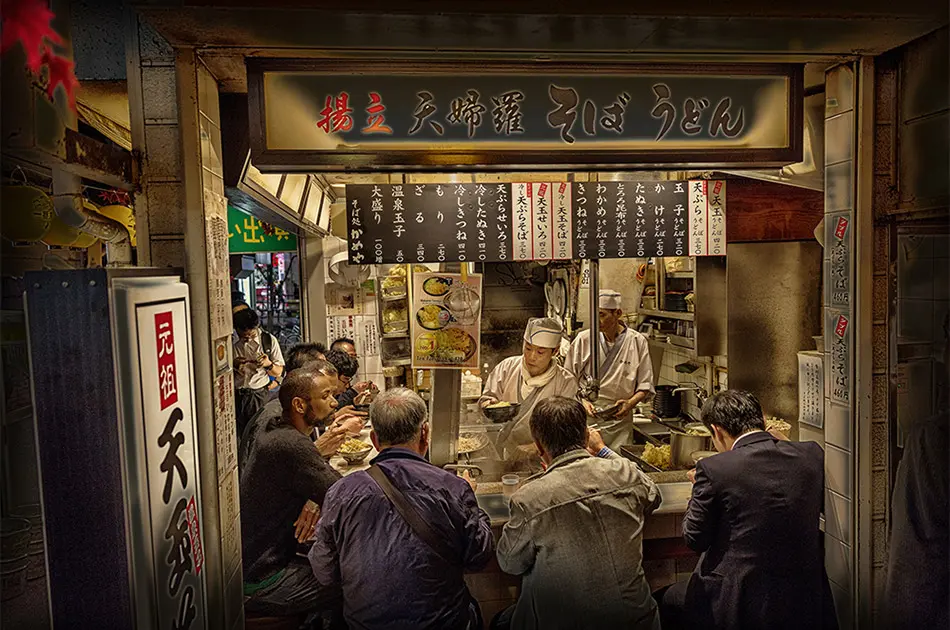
[[754, 517]]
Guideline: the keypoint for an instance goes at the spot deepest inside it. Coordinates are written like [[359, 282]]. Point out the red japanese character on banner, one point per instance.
[[376, 121], [336, 114], [165, 349]]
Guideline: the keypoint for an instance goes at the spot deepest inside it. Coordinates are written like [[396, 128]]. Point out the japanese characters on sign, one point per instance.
[[521, 225], [541, 213], [811, 401], [249, 235], [563, 236], [672, 108], [169, 430], [839, 358], [840, 248], [536, 221]]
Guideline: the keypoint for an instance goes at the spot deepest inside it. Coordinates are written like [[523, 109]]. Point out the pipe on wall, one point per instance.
[[69, 206]]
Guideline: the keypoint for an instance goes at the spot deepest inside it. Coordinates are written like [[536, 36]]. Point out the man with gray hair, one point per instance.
[[398, 537]]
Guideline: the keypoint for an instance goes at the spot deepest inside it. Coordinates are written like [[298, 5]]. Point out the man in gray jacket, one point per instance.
[[576, 530]]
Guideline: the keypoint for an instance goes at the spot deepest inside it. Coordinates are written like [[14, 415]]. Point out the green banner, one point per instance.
[[250, 235]]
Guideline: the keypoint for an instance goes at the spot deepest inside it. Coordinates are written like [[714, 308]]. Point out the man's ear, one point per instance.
[[299, 405], [375, 440], [540, 448]]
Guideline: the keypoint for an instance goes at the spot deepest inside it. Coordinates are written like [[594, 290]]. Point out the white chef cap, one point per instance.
[[544, 332], [609, 299]]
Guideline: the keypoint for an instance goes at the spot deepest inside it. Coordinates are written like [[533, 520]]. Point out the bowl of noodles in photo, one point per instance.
[[452, 346], [433, 317]]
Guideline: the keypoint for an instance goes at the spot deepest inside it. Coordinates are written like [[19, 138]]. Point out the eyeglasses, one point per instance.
[[346, 380]]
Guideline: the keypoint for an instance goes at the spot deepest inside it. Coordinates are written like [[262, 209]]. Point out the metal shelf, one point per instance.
[[683, 316], [681, 274]]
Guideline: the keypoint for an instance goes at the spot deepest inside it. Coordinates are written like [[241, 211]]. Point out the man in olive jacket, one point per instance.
[[575, 532]]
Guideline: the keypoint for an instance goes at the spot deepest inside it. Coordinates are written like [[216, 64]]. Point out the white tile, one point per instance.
[[838, 426], [838, 475], [842, 606], [838, 561], [838, 516]]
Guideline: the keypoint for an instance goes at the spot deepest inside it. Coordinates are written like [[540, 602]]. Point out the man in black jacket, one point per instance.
[[753, 516]]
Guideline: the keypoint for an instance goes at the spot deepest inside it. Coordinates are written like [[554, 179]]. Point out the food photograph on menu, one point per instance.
[[446, 319]]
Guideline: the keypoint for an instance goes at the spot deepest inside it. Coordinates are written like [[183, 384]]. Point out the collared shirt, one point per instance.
[[250, 375], [744, 435], [390, 577]]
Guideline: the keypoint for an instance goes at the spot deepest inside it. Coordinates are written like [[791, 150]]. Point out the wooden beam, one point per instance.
[[764, 211], [105, 163]]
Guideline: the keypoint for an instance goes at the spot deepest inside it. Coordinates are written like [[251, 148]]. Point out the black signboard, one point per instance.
[[397, 223], [402, 223], [445, 115], [631, 219]]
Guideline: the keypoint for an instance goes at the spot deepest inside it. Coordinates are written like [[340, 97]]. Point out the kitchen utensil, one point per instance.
[[666, 403], [682, 446], [633, 452], [607, 412], [477, 441], [501, 414]]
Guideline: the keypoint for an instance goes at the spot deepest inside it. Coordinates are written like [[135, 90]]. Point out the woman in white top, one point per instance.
[[528, 378]]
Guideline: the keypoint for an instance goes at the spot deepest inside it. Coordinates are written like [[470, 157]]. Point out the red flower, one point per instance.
[[27, 21], [61, 71]]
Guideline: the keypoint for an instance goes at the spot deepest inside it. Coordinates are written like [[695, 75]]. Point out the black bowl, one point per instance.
[[501, 414]]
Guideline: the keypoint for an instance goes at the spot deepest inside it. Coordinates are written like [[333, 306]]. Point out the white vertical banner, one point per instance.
[[541, 220], [717, 218], [521, 223], [563, 227], [163, 334], [698, 218]]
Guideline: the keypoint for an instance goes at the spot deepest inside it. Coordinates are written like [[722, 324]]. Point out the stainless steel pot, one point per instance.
[[682, 447]]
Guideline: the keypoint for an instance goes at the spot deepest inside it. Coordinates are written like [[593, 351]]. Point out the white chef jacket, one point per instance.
[[630, 372], [250, 376], [504, 383]]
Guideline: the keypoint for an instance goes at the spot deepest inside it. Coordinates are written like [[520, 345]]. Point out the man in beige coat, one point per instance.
[[576, 532]]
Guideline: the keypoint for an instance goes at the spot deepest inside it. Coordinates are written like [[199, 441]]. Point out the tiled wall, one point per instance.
[[839, 443]]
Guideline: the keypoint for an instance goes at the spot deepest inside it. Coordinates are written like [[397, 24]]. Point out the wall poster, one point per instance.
[[445, 320]]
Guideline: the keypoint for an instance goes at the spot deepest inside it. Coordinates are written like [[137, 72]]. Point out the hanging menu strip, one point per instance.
[[397, 223]]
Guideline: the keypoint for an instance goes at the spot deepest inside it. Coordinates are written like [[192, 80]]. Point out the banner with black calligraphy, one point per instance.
[[171, 463], [478, 115], [399, 223]]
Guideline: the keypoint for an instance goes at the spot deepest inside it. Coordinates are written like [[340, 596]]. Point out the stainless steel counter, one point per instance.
[[673, 500]]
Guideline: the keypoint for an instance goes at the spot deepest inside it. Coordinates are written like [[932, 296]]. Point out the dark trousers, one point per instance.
[[247, 402], [502, 619], [671, 601], [297, 593]]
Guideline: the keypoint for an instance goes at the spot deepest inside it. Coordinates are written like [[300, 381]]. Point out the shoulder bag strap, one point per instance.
[[423, 530]]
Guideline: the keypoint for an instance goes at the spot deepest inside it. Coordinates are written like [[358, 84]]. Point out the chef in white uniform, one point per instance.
[[529, 378], [626, 373]]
